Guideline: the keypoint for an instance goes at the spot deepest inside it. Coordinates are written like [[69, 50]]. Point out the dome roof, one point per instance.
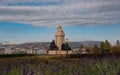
[[60, 31]]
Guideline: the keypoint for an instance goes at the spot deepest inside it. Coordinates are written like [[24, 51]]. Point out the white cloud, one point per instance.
[[66, 12]]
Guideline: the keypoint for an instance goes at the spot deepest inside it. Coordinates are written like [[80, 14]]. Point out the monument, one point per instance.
[[59, 46], [59, 37]]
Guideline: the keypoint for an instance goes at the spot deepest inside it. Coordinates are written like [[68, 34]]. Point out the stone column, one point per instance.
[[59, 37]]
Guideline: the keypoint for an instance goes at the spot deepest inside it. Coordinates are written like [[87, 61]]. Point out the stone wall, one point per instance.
[[60, 52]]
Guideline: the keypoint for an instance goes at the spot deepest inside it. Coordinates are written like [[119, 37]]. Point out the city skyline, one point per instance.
[[36, 20]]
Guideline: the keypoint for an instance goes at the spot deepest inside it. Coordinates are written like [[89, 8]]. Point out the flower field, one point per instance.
[[87, 65]]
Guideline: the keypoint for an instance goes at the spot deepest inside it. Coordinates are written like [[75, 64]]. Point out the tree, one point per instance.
[[105, 47], [65, 47], [88, 48], [116, 48], [117, 43], [81, 48], [96, 50], [102, 46], [53, 46]]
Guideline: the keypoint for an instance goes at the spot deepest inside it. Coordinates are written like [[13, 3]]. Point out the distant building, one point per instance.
[[5, 50], [2, 50], [82, 51]]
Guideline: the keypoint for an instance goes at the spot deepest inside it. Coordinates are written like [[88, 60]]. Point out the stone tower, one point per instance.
[[59, 37]]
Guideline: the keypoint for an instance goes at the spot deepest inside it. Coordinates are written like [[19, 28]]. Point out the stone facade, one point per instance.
[[59, 37], [60, 52]]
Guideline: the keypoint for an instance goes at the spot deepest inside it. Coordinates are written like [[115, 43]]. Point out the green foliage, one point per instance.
[[105, 47], [65, 47], [53, 46], [88, 48], [96, 50], [102, 45]]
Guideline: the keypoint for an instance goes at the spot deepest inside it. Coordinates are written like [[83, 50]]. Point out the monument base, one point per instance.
[[60, 52]]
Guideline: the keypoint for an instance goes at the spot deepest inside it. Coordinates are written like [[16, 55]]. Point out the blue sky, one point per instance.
[[36, 20]]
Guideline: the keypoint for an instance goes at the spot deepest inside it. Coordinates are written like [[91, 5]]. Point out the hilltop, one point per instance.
[[45, 45]]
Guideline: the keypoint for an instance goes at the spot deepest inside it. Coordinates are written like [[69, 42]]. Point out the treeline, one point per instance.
[[105, 47]]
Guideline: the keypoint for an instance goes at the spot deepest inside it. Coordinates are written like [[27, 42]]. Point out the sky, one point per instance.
[[36, 20]]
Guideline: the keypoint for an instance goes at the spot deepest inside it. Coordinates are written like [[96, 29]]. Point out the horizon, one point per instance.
[[36, 20]]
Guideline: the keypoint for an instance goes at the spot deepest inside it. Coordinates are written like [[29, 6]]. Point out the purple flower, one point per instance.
[[53, 69], [32, 72], [7, 71], [25, 71], [63, 66]]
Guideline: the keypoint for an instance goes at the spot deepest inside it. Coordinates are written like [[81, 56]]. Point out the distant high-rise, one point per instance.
[[59, 37]]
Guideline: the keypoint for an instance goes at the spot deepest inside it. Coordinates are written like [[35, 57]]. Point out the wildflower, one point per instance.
[[63, 66], [32, 72], [7, 71], [53, 69], [25, 71]]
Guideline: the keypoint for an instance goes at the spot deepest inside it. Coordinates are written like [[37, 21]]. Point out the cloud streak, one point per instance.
[[60, 12]]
